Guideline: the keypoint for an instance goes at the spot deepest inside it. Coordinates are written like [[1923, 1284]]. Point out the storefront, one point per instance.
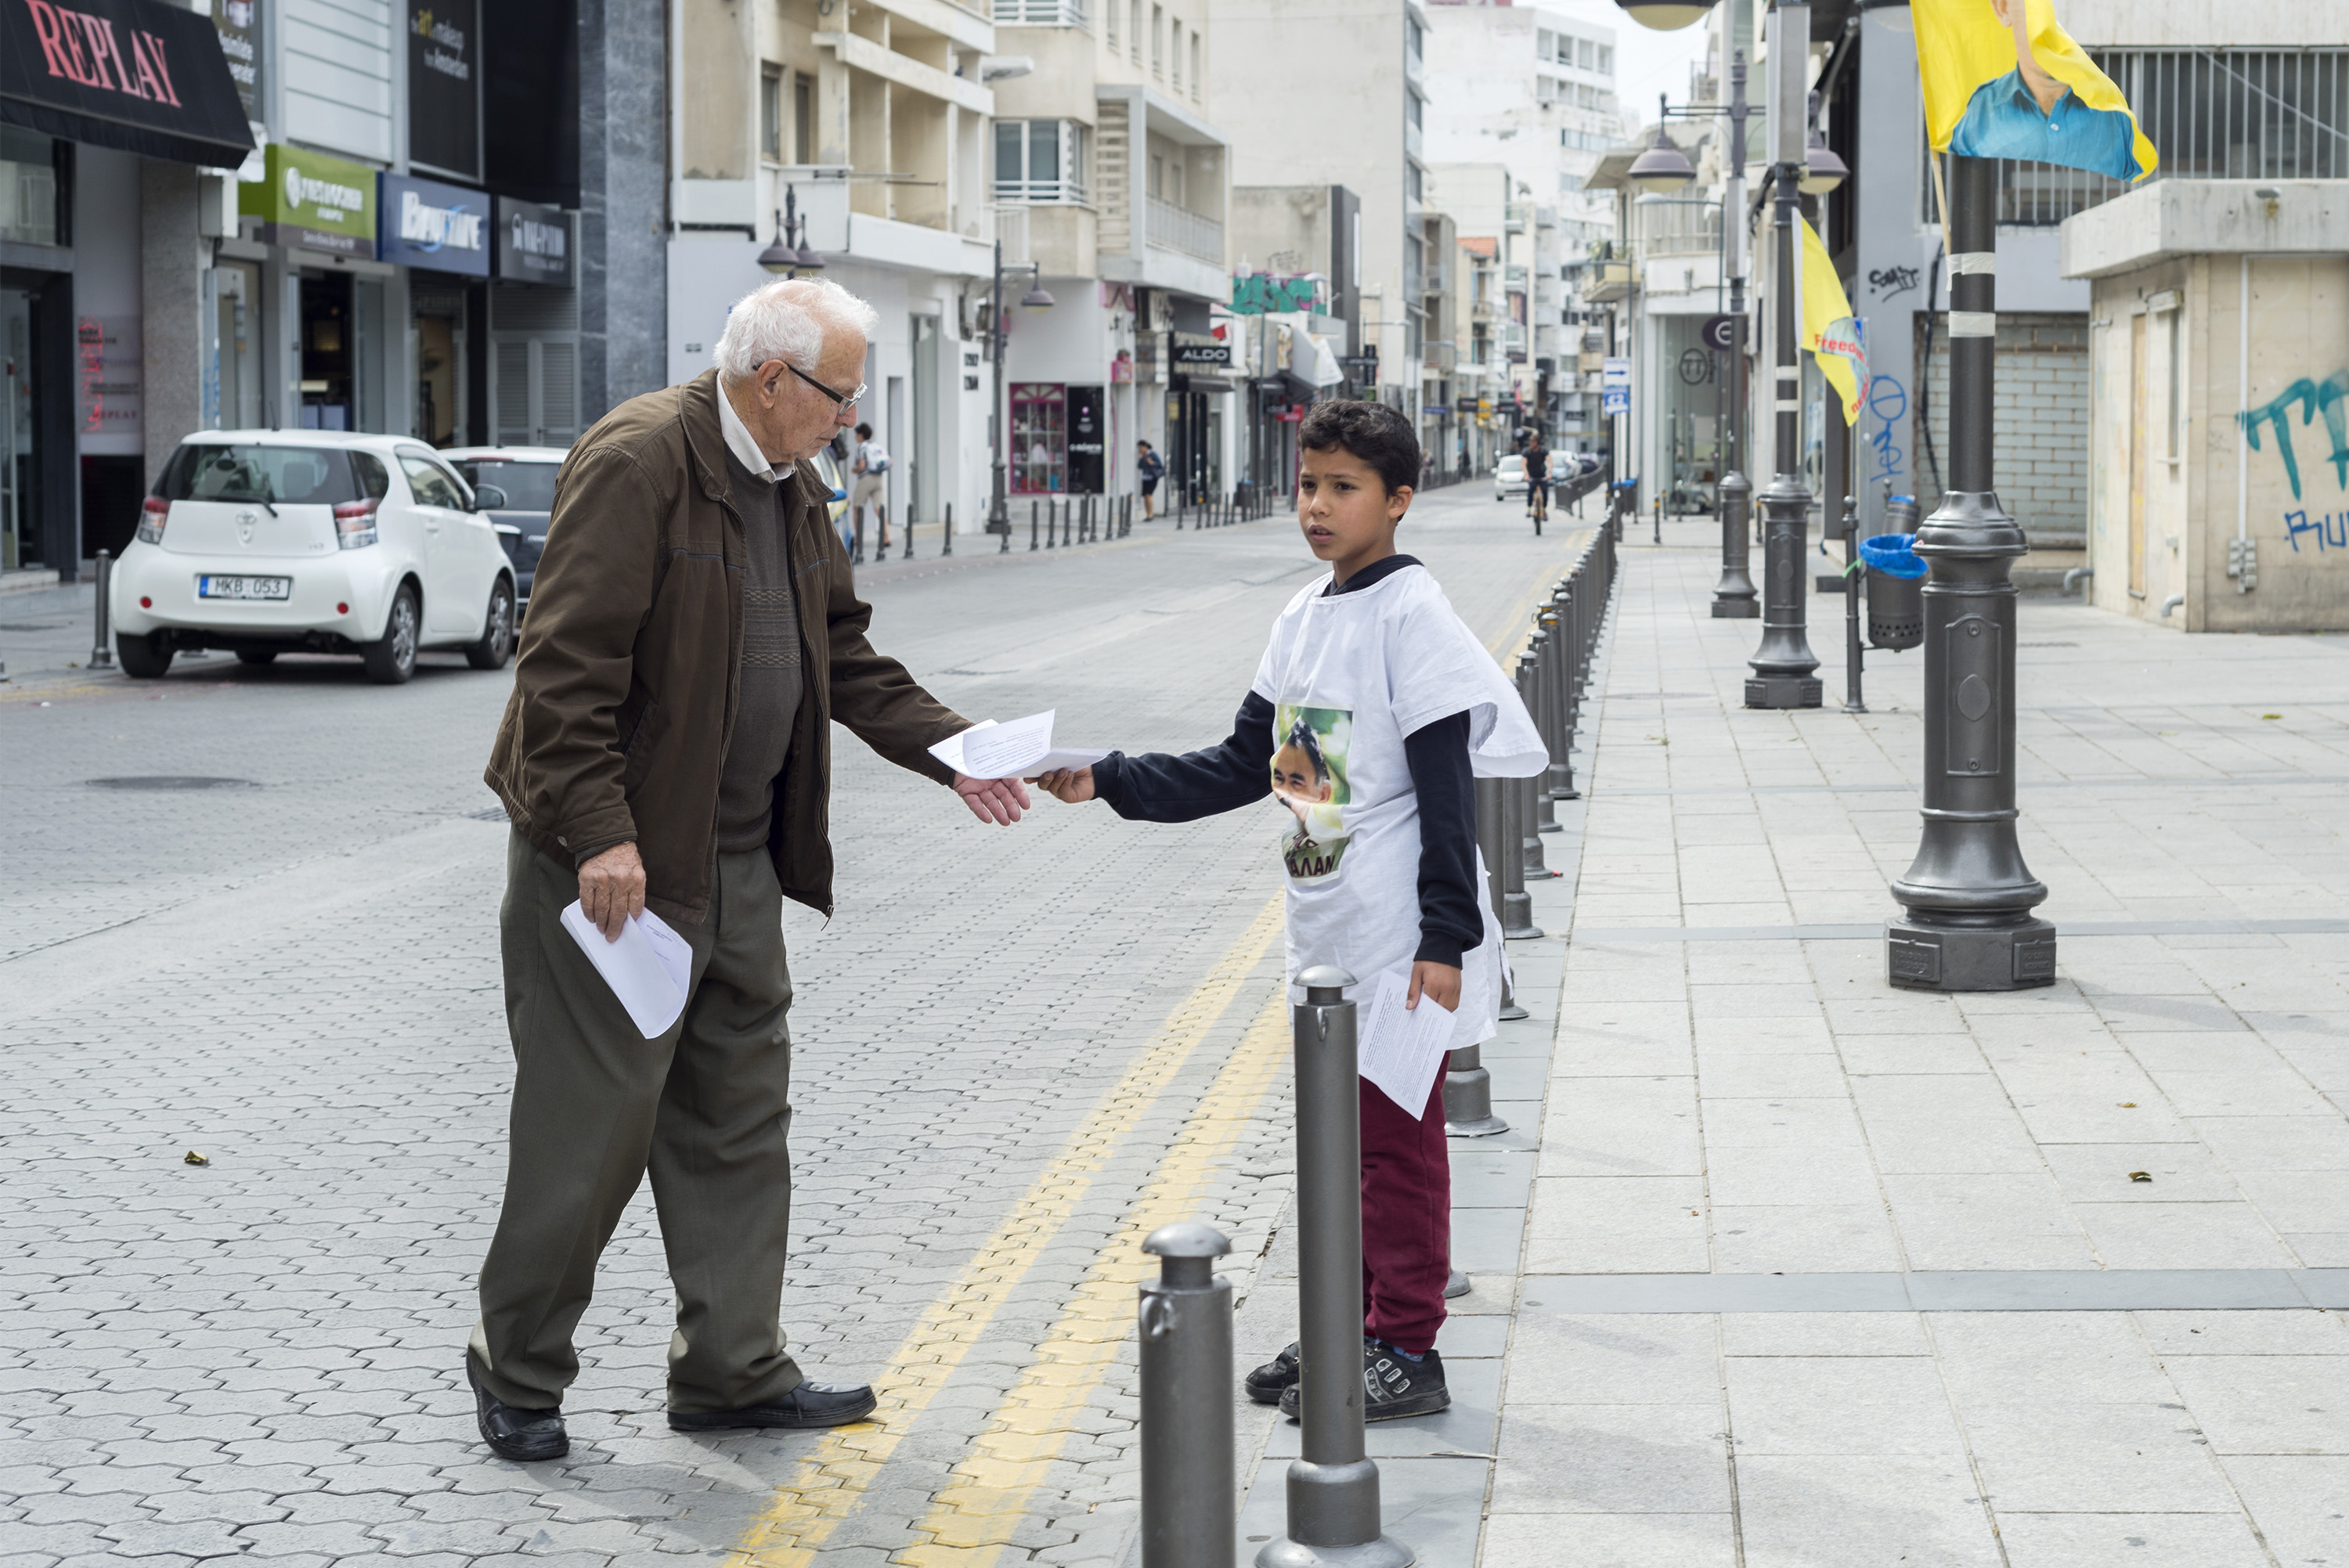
[[1058, 438], [88, 108], [440, 234], [532, 375]]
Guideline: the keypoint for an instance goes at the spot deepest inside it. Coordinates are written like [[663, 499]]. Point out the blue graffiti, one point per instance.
[[2332, 530], [1888, 401], [2312, 400]]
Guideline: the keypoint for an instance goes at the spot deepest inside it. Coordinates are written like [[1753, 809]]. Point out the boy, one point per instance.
[[1370, 713]]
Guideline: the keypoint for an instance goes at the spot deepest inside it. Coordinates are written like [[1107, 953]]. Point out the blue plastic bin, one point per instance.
[[1895, 592]]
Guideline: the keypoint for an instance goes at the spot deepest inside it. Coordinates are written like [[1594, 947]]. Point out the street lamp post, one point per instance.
[[1781, 666], [1967, 898], [1732, 596], [999, 510]]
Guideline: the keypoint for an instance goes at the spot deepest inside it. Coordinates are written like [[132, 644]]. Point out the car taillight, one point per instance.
[[355, 523], [153, 513]]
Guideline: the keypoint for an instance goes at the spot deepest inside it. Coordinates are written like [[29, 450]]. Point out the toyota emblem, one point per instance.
[[244, 522]]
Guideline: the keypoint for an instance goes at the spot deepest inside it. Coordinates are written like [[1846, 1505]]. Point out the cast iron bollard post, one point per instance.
[[101, 644], [1031, 524], [1184, 1318], [1517, 904], [1557, 702], [1968, 896], [908, 555], [1783, 664], [946, 545], [1333, 1490], [1487, 795], [1534, 686], [1531, 796], [1468, 1096]]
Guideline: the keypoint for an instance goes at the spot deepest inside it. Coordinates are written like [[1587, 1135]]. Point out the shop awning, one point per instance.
[[138, 75]]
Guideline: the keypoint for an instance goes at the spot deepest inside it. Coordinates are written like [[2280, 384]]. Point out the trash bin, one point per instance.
[[1895, 592], [1900, 513]]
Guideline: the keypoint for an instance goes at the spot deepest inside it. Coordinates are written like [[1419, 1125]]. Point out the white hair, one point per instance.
[[789, 320]]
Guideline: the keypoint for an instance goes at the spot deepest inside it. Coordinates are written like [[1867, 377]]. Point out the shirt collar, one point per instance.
[[739, 442]]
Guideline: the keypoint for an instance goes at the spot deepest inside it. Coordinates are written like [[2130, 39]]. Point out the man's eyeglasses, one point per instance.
[[842, 399]]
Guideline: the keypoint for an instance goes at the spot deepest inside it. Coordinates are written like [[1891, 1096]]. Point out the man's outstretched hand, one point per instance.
[[998, 800], [612, 889]]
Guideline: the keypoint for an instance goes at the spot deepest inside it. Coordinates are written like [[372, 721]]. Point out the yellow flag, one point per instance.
[[1833, 335], [2002, 79]]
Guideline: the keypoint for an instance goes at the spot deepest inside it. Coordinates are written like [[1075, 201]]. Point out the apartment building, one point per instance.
[[863, 129], [1312, 106], [1112, 178]]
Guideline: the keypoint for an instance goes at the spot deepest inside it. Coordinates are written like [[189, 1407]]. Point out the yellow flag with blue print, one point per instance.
[[1834, 335], [2002, 79]]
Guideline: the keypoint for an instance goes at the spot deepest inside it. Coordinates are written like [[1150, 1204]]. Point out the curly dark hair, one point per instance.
[[1371, 431]]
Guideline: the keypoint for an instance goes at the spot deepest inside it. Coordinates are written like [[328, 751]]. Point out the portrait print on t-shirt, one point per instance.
[[1309, 776]]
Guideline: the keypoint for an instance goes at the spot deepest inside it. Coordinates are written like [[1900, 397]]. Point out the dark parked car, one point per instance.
[[525, 476]]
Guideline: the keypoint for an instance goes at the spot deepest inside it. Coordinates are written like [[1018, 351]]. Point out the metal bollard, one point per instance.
[[1517, 905], [1555, 701], [946, 545], [1529, 792], [1333, 1490], [1031, 525], [908, 529], [101, 646], [1468, 1096], [1540, 651], [1185, 1318]]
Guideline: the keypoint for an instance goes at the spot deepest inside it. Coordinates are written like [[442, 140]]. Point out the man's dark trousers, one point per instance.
[[706, 1108]]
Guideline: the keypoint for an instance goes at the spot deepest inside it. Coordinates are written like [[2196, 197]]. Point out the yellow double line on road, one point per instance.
[[828, 1484]]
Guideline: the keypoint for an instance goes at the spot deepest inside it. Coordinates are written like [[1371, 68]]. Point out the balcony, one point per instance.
[[1042, 14], [1176, 228], [1066, 192]]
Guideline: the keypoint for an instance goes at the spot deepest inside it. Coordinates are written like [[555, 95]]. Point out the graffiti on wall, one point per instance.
[[1887, 403], [2312, 398], [2331, 529]]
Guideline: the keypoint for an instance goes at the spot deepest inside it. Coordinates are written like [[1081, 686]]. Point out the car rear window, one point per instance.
[[292, 476], [529, 487]]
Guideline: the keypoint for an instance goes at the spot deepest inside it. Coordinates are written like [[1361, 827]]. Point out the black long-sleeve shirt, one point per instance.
[[1160, 787]]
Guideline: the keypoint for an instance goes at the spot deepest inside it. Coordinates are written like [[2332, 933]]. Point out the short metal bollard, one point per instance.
[[1031, 525], [1333, 1490], [1517, 904], [1188, 1512], [101, 647], [1531, 796], [945, 544], [1468, 1096]]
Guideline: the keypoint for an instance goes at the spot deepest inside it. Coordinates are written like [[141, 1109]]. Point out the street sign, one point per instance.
[[1615, 400], [1615, 371], [1722, 331]]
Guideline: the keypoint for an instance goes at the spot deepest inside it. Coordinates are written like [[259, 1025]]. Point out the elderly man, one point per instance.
[[693, 633]]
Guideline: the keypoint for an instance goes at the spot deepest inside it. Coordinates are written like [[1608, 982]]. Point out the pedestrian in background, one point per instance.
[[694, 633], [1152, 469], [1370, 713], [871, 488]]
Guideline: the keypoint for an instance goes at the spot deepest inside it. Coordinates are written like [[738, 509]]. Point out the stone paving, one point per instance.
[[1740, 1112], [1015, 1050]]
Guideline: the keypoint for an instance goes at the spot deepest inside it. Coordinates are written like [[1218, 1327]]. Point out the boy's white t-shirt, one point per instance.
[[1349, 675]]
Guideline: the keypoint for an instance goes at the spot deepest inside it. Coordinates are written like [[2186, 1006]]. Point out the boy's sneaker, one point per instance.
[[1268, 1382], [1393, 1386]]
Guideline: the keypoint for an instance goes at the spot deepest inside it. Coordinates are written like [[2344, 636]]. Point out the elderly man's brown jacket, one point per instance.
[[629, 672]]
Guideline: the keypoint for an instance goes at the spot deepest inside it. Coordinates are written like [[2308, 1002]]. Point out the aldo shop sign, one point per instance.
[[312, 201], [428, 225]]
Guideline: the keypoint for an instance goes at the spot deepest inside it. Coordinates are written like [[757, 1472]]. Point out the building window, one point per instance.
[[802, 118], [1040, 159], [1584, 54], [1133, 31], [1411, 180], [1606, 60], [1109, 25], [1413, 110], [771, 113], [1174, 39], [1158, 40], [1194, 65], [1039, 438], [28, 187], [1544, 42]]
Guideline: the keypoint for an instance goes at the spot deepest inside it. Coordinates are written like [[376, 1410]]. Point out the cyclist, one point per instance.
[[1537, 483]]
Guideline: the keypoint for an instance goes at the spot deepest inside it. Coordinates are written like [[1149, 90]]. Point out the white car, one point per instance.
[[1509, 476], [270, 541]]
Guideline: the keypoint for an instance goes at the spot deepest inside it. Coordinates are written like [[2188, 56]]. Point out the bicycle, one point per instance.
[[1537, 502]]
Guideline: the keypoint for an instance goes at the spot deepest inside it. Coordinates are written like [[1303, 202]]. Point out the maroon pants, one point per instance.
[[1406, 1218]]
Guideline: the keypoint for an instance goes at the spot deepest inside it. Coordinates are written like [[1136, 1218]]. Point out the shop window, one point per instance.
[[29, 188], [327, 340], [1039, 438]]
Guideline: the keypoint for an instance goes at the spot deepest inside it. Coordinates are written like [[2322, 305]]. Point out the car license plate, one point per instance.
[[208, 587]]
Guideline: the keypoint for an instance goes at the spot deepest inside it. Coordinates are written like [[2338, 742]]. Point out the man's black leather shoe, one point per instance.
[[514, 1432], [808, 1405]]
